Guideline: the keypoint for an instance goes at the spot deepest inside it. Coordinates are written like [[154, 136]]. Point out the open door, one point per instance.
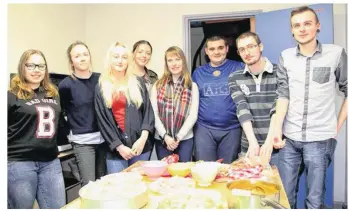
[[275, 33]]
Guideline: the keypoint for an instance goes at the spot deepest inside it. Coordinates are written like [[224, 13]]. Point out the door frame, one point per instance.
[[209, 17]]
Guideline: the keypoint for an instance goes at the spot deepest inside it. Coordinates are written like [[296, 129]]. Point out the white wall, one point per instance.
[[340, 159], [161, 24], [50, 28]]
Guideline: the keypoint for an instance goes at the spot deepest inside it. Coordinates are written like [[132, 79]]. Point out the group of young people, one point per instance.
[[226, 109]]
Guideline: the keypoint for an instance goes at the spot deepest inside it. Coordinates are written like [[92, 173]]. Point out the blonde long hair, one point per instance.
[[19, 85], [174, 50], [110, 88]]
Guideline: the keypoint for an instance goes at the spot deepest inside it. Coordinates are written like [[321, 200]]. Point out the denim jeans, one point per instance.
[[91, 161], [211, 145], [29, 180], [311, 157], [116, 164], [184, 150]]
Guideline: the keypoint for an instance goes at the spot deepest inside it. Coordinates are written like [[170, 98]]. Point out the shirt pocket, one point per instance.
[[321, 75]]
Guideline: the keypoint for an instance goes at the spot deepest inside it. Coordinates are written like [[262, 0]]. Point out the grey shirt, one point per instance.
[[309, 83], [254, 97]]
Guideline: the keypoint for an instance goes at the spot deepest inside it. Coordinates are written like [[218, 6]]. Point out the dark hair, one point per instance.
[[70, 48], [215, 38], [249, 34], [304, 9], [135, 46]]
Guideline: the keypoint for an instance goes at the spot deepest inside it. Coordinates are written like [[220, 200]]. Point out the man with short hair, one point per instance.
[[305, 108], [253, 90], [217, 132]]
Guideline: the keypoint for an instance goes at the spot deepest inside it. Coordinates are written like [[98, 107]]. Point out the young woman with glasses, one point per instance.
[[33, 108]]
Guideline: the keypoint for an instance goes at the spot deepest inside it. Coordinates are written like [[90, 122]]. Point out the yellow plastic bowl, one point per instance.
[[179, 169]]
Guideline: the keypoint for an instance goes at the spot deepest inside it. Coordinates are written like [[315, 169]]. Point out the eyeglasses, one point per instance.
[[249, 48], [32, 66]]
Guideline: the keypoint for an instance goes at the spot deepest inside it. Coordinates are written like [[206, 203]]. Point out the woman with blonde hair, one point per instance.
[[77, 99], [175, 100], [124, 113], [33, 108]]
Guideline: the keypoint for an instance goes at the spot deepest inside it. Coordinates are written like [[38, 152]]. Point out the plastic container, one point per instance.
[[180, 169], [205, 173], [154, 169]]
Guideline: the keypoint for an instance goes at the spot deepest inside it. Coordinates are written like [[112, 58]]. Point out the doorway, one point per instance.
[[229, 25], [229, 29]]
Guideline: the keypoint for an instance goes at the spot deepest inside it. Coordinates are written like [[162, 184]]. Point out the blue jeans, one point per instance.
[[184, 150], [211, 145], [29, 180], [311, 157], [116, 164]]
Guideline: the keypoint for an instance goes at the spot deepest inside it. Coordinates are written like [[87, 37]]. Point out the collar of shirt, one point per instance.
[[268, 67], [318, 49], [88, 77]]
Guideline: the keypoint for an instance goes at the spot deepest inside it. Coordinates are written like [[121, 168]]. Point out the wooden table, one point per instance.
[[221, 187], [66, 154]]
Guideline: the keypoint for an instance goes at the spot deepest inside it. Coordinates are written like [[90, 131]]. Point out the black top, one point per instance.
[[153, 77], [136, 120], [32, 127], [77, 99]]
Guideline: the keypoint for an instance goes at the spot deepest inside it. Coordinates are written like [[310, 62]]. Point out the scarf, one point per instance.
[[173, 105]]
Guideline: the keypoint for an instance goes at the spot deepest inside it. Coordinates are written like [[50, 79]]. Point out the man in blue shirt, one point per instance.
[[217, 132]]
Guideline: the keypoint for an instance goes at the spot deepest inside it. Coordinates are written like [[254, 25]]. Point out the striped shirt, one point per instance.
[[254, 97], [309, 83]]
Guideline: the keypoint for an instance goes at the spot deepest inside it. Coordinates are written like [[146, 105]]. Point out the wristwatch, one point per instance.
[[163, 138]]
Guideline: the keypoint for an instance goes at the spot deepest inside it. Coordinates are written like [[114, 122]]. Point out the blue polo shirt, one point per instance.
[[217, 109]]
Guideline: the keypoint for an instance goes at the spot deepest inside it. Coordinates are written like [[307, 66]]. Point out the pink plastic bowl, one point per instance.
[[154, 169]]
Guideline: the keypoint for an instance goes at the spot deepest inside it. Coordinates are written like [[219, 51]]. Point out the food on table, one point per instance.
[[180, 169], [245, 168], [242, 172], [173, 158], [123, 177], [121, 190], [220, 160], [204, 173], [171, 185], [154, 169], [138, 170], [193, 199], [246, 162], [107, 190], [256, 187]]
